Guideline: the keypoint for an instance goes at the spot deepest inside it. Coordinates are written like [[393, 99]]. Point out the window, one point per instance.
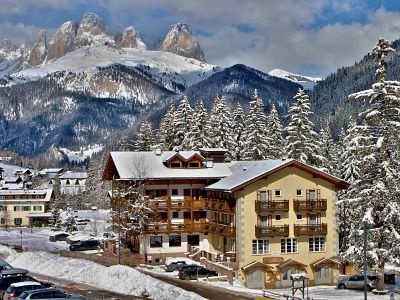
[[288, 245], [194, 165], [37, 208], [155, 241], [260, 246], [17, 208], [313, 219], [174, 192], [175, 214], [25, 208], [17, 221], [3, 207], [299, 192], [299, 216], [312, 195], [322, 272], [193, 240], [175, 165], [278, 217], [2, 221], [278, 193], [288, 272], [174, 240], [316, 244]]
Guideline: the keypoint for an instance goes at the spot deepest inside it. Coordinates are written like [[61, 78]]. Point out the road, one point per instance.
[[206, 291], [89, 291]]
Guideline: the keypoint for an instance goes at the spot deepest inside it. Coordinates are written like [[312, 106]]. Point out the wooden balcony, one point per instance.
[[170, 227], [172, 203], [221, 229], [271, 206], [318, 229], [271, 231], [219, 205], [320, 204]]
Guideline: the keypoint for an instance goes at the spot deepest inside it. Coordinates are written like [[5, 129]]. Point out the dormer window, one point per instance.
[[175, 165], [194, 165]]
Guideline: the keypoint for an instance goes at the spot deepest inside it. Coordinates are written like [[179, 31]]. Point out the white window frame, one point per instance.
[[278, 193], [259, 247], [322, 272], [293, 242], [37, 208], [317, 244], [301, 192]]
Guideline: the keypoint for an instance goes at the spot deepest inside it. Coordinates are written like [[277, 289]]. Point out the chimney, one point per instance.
[[209, 163], [157, 151]]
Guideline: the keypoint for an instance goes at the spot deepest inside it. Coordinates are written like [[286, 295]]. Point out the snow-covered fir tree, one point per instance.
[[197, 136], [145, 138], [238, 130], [328, 151], [220, 130], [376, 193], [255, 139], [302, 142], [182, 120], [166, 135], [69, 223], [95, 187], [275, 133], [55, 219]]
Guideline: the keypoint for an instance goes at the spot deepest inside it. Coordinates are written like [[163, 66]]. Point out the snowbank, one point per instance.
[[120, 279]]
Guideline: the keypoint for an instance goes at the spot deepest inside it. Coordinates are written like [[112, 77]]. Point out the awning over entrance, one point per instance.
[[291, 262], [326, 261], [256, 264]]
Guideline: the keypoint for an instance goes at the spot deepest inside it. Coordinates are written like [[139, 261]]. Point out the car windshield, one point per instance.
[[24, 295]]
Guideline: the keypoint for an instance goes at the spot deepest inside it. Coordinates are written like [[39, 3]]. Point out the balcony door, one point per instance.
[[313, 195], [266, 221], [314, 219], [265, 196]]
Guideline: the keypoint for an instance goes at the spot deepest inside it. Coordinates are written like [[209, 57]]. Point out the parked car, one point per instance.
[[51, 293], [7, 277], [357, 282], [60, 236], [84, 245], [4, 265], [194, 272], [175, 265], [17, 288]]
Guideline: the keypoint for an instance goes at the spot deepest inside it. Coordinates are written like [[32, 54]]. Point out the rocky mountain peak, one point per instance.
[[7, 45], [39, 50], [179, 40], [130, 39], [63, 40], [91, 31]]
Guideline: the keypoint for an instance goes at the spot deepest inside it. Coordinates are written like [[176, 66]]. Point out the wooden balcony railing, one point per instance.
[[171, 227], [219, 205], [310, 229], [221, 229], [271, 206], [319, 204], [272, 231], [176, 203]]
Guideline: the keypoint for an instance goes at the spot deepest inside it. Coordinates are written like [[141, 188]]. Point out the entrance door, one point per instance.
[[255, 279]]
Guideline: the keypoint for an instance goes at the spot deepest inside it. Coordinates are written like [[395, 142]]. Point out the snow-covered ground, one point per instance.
[[120, 279], [82, 154]]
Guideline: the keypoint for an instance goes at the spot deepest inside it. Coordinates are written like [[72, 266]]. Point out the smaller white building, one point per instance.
[[73, 183]]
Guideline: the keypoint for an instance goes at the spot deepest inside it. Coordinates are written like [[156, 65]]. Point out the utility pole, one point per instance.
[[365, 260]]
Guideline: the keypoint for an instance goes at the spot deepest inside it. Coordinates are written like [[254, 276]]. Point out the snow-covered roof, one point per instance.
[[22, 171], [50, 170], [244, 172], [25, 283], [39, 215], [45, 192], [74, 175], [151, 166], [12, 179], [186, 155], [213, 149]]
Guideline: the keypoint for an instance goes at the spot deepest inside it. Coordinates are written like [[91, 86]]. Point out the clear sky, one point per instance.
[[310, 37]]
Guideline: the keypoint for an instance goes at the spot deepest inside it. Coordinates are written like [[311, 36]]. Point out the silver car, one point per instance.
[[357, 282], [17, 288], [49, 294]]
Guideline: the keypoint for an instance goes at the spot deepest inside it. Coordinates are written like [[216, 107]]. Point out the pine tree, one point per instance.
[[275, 133], [145, 139], [70, 224], [182, 121], [328, 151], [376, 193], [220, 126], [302, 141], [255, 140], [166, 133], [238, 130], [96, 189], [197, 136]]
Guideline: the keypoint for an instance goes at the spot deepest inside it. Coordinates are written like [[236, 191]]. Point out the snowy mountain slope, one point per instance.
[[166, 68], [306, 81]]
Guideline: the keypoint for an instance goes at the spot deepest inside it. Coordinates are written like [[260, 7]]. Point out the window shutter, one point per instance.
[[308, 219], [269, 220], [258, 195], [258, 220], [307, 194], [269, 195], [318, 219], [318, 194]]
